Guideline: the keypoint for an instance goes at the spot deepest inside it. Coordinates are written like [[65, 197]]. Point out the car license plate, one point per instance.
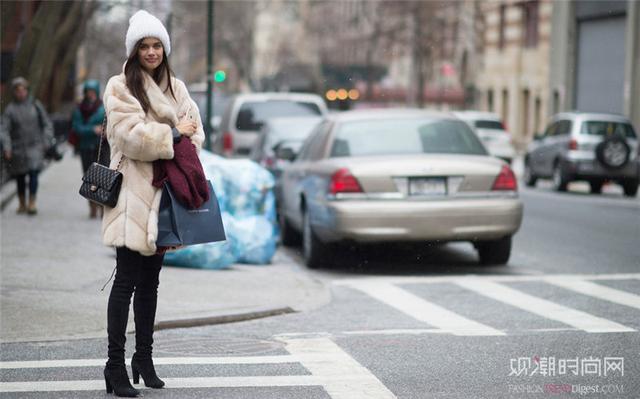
[[427, 186]]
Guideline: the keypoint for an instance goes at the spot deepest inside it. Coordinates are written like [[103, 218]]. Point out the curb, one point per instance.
[[221, 319], [7, 200], [170, 324]]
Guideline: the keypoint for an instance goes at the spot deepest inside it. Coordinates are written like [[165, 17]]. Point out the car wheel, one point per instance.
[[494, 252], [613, 152], [313, 251], [630, 188], [530, 178], [560, 179], [596, 187], [288, 235]]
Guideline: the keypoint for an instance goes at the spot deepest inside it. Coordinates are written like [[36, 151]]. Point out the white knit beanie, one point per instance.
[[141, 25]]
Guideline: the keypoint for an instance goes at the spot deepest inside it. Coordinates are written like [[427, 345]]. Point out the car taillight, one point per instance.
[[506, 180], [573, 144], [504, 126], [343, 181], [227, 142]]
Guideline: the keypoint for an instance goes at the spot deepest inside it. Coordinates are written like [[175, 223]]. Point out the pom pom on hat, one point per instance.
[[141, 25]]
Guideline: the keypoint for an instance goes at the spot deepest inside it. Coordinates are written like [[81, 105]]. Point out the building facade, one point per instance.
[[514, 77], [595, 57]]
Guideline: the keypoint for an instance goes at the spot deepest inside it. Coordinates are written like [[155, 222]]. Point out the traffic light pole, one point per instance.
[[208, 128]]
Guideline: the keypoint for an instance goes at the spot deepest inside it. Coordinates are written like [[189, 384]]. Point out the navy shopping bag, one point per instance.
[[181, 226]]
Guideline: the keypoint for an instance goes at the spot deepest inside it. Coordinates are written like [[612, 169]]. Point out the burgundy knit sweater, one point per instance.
[[185, 175]]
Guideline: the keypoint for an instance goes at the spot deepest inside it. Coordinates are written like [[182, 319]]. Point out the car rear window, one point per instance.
[[253, 114], [290, 131], [608, 128], [493, 125], [405, 136]]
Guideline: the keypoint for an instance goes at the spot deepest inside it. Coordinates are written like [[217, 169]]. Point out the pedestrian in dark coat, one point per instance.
[[26, 133], [87, 123]]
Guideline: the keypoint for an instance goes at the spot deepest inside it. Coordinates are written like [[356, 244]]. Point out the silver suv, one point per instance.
[[585, 146]]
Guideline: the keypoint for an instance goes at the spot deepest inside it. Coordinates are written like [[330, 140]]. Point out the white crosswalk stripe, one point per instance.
[[425, 311], [385, 290], [331, 368], [543, 307], [598, 291]]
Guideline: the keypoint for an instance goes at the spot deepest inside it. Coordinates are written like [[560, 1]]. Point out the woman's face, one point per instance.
[[91, 95], [20, 93], [150, 53]]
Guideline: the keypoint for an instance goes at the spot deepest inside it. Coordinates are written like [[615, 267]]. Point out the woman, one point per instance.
[[26, 133], [148, 110], [87, 123]]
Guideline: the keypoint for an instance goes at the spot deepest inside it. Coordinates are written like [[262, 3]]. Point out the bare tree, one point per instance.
[[48, 47]]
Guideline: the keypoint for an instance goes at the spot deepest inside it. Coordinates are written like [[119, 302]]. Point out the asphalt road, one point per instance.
[[561, 320]]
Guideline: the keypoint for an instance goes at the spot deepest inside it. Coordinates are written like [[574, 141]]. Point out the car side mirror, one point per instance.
[[285, 153]]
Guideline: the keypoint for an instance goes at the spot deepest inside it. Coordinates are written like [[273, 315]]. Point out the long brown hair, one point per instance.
[[135, 80]]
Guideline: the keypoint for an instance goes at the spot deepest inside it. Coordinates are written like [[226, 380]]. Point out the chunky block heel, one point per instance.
[[109, 387], [145, 369], [117, 381]]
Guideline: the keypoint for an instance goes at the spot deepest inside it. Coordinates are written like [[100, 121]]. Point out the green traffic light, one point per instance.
[[219, 76]]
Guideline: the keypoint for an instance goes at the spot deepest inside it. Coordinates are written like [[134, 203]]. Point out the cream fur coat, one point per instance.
[[141, 139]]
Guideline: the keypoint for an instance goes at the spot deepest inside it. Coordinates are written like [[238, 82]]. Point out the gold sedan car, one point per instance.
[[397, 175]]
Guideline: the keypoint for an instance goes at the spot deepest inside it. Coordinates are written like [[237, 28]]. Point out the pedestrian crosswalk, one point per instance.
[[315, 360], [390, 291], [329, 367]]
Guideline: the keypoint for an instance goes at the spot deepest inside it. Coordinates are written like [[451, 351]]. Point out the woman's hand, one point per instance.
[[97, 130], [187, 127]]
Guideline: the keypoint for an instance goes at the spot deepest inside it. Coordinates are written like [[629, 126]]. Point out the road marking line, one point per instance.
[[341, 375], [331, 368], [423, 310], [195, 382], [542, 307], [501, 278], [598, 291], [156, 360], [405, 331]]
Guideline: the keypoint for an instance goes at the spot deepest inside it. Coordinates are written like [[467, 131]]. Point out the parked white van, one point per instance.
[[246, 113]]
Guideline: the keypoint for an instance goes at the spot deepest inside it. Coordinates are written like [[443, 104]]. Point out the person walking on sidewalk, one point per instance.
[[87, 123], [26, 133], [148, 111]]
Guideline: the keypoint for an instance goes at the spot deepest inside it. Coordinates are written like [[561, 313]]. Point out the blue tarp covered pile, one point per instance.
[[245, 193]]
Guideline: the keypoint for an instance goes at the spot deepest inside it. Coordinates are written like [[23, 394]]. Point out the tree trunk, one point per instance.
[[43, 50], [418, 55], [74, 39]]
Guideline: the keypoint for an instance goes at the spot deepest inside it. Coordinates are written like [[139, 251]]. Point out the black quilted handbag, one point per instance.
[[101, 184]]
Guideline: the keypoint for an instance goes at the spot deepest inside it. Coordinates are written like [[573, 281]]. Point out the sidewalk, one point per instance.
[[53, 265]]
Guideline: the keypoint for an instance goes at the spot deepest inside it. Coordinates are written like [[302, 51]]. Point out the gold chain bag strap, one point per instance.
[[101, 184]]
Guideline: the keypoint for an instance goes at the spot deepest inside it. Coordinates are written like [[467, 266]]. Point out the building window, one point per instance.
[[502, 27], [490, 100], [524, 128], [536, 116], [530, 24], [556, 101], [505, 105]]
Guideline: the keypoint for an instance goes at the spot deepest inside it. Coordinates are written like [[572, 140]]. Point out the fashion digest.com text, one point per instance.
[[578, 389]]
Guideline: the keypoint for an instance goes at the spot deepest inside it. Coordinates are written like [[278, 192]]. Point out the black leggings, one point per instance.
[[33, 183], [139, 274]]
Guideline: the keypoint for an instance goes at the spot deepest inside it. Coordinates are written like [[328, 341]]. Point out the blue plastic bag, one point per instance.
[[247, 201]]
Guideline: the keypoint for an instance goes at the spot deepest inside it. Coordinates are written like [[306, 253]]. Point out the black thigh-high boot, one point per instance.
[[145, 302], [115, 372]]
